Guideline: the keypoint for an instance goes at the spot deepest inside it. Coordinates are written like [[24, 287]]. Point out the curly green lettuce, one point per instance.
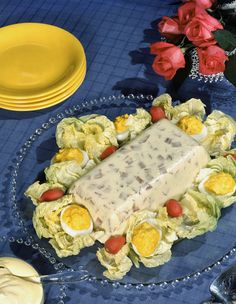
[[193, 107], [92, 133], [107, 129], [200, 214], [164, 101], [96, 135], [86, 118], [220, 164], [138, 121], [66, 245], [117, 265], [46, 222], [35, 190], [67, 133], [162, 253], [67, 172], [46, 216], [221, 130]]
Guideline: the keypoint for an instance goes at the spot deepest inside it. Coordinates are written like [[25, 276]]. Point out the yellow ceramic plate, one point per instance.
[[31, 101], [37, 59], [50, 94], [44, 104]]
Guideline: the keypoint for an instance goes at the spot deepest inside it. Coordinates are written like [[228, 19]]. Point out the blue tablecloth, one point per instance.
[[115, 35]]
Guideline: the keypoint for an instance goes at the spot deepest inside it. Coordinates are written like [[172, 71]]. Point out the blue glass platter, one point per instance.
[[190, 258]]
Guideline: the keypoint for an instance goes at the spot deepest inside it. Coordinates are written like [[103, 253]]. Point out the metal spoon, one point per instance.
[[223, 288], [57, 278]]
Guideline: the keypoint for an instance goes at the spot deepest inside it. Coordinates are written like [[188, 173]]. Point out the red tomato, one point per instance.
[[174, 209], [51, 195], [108, 151], [233, 155], [114, 244], [157, 113]]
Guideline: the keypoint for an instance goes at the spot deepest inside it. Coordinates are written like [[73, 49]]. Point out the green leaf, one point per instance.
[[230, 69], [225, 39]]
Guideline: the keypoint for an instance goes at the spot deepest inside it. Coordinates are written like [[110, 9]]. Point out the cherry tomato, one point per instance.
[[114, 244], [108, 151], [51, 195], [157, 113], [233, 155], [174, 209]]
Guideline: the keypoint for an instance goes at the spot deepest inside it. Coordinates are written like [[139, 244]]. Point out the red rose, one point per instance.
[[170, 28], [199, 30], [211, 60], [202, 3], [169, 59], [188, 11]]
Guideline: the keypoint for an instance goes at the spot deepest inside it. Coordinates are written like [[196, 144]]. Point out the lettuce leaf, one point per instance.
[[86, 118], [67, 172], [223, 164], [46, 221], [66, 245], [221, 130], [97, 133], [92, 133], [200, 214], [162, 253], [138, 122], [35, 190], [164, 101], [117, 265], [67, 133], [46, 217], [220, 164], [192, 107]]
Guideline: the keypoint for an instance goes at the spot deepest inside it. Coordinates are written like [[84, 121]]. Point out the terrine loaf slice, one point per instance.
[[159, 164]]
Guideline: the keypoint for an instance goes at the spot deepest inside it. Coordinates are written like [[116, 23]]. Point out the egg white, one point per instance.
[[122, 135], [203, 190], [71, 231], [152, 222], [200, 136], [85, 158]]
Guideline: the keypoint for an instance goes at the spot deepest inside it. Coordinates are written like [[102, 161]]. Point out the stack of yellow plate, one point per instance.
[[40, 66]]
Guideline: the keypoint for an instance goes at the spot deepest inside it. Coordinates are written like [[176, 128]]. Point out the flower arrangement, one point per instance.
[[202, 28]]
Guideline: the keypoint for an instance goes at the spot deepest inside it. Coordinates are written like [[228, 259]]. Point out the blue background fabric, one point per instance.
[[116, 35]]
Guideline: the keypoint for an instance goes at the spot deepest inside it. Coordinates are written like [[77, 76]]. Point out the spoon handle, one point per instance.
[[61, 277]]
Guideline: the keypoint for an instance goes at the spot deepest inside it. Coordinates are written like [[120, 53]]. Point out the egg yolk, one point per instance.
[[120, 123], [191, 125], [220, 183], [76, 217], [69, 154], [145, 239]]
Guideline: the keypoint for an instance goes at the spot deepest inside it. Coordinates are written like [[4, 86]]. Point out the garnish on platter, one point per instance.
[[215, 132], [136, 184], [67, 224]]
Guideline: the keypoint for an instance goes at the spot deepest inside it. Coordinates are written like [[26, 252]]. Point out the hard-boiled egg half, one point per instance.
[[76, 220], [219, 184], [193, 126], [80, 156], [122, 129], [146, 237]]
